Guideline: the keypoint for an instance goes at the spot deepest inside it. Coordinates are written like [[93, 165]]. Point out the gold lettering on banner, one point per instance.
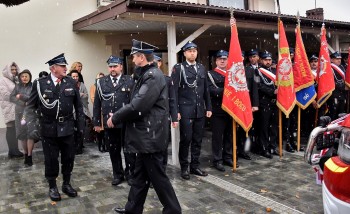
[[236, 101], [227, 93], [301, 65], [240, 104]]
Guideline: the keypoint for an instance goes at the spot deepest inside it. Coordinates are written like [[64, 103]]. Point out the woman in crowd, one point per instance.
[[99, 135], [20, 96], [84, 97], [78, 66], [7, 84]]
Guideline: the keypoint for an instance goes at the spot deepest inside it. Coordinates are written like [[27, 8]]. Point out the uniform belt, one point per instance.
[[59, 119], [272, 100]]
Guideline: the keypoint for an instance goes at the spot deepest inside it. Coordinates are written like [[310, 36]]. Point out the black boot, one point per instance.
[[289, 147], [53, 191], [67, 187], [100, 146], [29, 161], [25, 159]]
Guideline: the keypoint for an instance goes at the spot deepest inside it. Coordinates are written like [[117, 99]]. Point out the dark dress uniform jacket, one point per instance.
[[339, 91], [172, 99], [147, 113], [217, 93], [69, 102], [267, 92], [250, 74], [192, 102], [119, 96]]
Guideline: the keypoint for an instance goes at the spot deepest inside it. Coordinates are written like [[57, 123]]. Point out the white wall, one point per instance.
[[36, 31]]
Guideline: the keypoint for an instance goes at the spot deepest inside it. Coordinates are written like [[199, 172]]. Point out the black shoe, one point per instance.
[[219, 167], [25, 159], [16, 155], [302, 148], [198, 171], [117, 181], [244, 155], [68, 189], [129, 181], [54, 194], [266, 154], [274, 152], [185, 175], [289, 148], [79, 151], [29, 161], [119, 210], [228, 163]]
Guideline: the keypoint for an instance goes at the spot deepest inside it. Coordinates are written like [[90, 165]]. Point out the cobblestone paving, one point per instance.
[[286, 186]]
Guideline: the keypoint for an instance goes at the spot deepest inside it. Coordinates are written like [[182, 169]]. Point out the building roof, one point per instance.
[[9, 3], [129, 15]]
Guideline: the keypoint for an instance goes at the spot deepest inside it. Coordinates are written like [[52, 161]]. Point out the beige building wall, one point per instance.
[[36, 31]]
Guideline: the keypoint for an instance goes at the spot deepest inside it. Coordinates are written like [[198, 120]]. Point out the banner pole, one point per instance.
[[316, 118], [280, 132], [234, 154], [298, 145]]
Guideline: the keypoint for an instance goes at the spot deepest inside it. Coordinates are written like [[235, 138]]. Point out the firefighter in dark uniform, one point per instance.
[[191, 89], [250, 74], [310, 111], [220, 121], [337, 101], [268, 112], [172, 105], [112, 93], [58, 101], [146, 134]]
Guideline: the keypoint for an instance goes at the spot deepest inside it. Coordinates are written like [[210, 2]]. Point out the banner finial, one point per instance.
[[231, 11]]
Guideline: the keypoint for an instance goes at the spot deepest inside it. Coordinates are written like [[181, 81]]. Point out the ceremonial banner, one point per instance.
[[236, 100], [325, 78], [284, 74], [347, 73], [303, 77]]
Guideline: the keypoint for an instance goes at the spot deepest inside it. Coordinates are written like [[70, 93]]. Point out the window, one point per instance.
[[240, 4]]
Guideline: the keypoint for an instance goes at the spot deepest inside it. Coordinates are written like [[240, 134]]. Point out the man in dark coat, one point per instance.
[[192, 94], [251, 73], [112, 93], [337, 102], [220, 121], [146, 134], [268, 112], [58, 100]]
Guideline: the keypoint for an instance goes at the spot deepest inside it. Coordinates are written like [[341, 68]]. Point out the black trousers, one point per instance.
[[268, 124], [52, 146], [221, 126], [191, 134], [336, 106], [290, 125], [114, 138], [149, 168]]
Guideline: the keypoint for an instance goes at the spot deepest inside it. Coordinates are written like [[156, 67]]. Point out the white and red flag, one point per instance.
[[325, 78], [236, 100], [284, 75]]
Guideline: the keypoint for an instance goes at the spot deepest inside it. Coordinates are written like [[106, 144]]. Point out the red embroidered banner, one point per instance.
[[325, 76], [284, 74], [236, 100]]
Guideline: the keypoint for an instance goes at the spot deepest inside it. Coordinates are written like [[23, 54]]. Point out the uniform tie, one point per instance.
[[115, 80], [58, 83]]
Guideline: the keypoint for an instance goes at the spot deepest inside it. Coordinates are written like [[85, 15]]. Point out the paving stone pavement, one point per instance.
[[285, 186]]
